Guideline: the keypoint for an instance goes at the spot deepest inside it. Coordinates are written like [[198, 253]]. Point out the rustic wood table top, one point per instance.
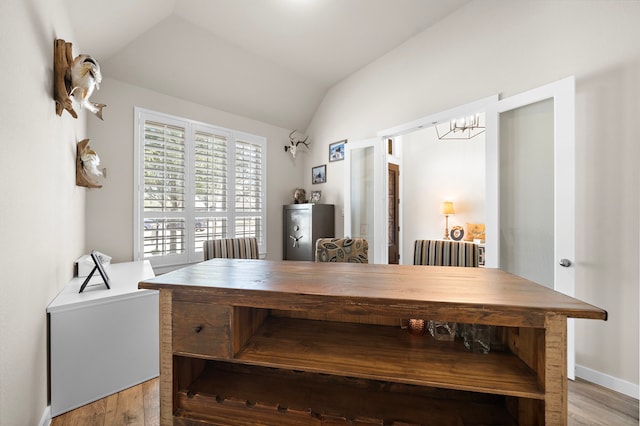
[[255, 282]]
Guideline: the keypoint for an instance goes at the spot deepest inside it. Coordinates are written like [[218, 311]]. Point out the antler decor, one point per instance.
[[293, 144]]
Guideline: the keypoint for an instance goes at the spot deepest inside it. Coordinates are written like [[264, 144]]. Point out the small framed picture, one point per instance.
[[319, 174], [336, 150], [98, 267], [315, 196]]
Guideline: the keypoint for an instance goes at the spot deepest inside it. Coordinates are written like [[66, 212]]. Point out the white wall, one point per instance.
[[434, 171], [110, 208], [495, 46], [41, 208]]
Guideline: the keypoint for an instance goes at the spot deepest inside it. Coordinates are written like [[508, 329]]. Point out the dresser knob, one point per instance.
[[197, 329]]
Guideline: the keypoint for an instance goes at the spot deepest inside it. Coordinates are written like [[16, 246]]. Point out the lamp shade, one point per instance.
[[447, 208]]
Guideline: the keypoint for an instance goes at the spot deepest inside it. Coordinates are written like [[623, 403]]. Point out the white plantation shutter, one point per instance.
[[164, 168], [164, 189], [211, 181], [210, 172], [249, 191], [195, 182]]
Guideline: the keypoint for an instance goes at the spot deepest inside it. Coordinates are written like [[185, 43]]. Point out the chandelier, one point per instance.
[[462, 128]]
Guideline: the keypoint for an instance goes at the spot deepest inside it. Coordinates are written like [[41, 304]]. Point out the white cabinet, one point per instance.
[[102, 340]]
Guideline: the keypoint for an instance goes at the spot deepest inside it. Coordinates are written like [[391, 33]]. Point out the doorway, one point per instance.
[[555, 103], [417, 206], [394, 213], [363, 205]]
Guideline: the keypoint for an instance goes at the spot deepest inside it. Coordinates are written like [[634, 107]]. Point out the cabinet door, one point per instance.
[[297, 234]]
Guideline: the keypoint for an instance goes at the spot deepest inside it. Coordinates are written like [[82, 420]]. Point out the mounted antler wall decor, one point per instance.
[[293, 144], [76, 78]]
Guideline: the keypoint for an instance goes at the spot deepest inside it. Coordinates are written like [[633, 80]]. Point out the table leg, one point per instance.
[[166, 359], [555, 380]]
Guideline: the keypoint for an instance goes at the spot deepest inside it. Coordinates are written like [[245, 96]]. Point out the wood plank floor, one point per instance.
[[589, 405], [136, 406], [593, 405]]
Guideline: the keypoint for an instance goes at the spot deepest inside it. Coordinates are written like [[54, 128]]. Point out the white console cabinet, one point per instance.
[[102, 340]]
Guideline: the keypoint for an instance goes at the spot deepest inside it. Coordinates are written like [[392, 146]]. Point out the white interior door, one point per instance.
[[365, 201], [530, 143]]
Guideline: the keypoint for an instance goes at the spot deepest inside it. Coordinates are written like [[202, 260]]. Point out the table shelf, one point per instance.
[[252, 395], [386, 353]]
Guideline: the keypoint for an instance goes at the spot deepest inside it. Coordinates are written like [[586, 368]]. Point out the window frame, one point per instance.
[[193, 254]]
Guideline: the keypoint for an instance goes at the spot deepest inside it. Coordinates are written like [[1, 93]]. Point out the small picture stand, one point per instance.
[[100, 268]]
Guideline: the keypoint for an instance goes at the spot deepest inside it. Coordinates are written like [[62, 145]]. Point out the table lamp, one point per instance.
[[446, 208]]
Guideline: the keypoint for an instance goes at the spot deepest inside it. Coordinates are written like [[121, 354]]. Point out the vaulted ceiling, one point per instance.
[[269, 60]]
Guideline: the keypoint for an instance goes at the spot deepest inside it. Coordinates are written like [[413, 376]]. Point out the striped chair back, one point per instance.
[[352, 250], [231, 248], [445, 253]]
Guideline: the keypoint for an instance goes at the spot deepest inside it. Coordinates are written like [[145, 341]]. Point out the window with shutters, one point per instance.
[[194, 182]]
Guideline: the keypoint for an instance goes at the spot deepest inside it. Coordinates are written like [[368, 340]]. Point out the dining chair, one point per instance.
[[442, 253], [351, 250], [231, 248], [445, 253]]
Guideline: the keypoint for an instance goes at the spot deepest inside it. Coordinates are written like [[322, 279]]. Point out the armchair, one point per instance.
[[353, 250]]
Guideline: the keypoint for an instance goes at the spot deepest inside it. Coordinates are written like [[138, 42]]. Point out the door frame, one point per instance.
[[377, 244], [562, 92], [390, 165], [396, 132]]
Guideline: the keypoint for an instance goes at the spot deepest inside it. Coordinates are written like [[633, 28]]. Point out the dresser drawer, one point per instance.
[[202, 329]]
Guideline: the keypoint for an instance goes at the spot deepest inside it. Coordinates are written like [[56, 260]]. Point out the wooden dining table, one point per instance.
[[247, 342]]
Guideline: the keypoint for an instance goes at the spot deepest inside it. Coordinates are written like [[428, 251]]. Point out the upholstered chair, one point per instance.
[[231, 248], [445, 253], [352, 250], [442, 253]]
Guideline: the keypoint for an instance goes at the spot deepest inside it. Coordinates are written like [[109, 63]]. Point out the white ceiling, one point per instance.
[[269, 60]]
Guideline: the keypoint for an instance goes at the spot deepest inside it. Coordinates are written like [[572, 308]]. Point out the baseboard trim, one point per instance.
[[45, 420], [613, 383]]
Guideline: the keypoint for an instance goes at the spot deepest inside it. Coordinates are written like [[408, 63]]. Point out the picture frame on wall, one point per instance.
[[336, 150], [319, 174]]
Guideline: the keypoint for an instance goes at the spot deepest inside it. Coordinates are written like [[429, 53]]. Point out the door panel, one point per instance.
[[366, 195], [531, 189], [526, 192], [359, 193]]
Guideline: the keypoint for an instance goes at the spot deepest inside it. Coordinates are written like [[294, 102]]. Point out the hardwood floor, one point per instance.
[[595, 405], [589, 405], [136, 406]]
